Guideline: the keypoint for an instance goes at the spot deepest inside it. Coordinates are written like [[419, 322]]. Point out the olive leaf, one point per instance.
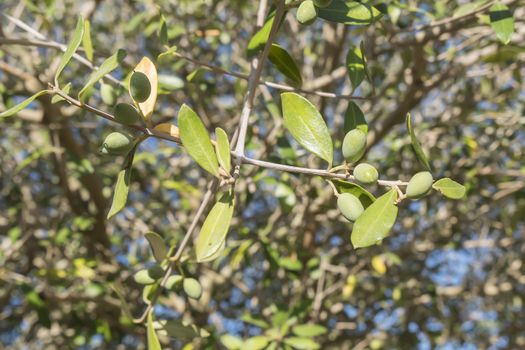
[[215, 227], [57, 98], [307, 126], [449, 188], [302, 343], [349, 12], [223, 149], [366, 198], [157, 246], [501, 21], [147, 67], [260, 38], [376, 221], [153, 341], [354, 118], [181, 330], [196, 140], [285, 63], [17, 108], [73, 45], [86, 40], [308, 330], [416, 145], [120, 195], [106, 67], [355, 65]]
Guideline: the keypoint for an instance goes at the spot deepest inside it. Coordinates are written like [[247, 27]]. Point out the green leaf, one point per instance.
[[181, 330], [223, 149], [376, 221], [308, 330], [285, 63], [301, 343], [17, 108], [355, 64], [366, 198], [260, 38], [502, 22], [306, 125], [231, 342], [106, 67], [354, 118], [71, 48], [120, 195], [153, 341], [57, 98], [256, 343], [415, 144], [215, 227], [157, 245], [349, 12], [196, 140], [163, 31], [86, 40], [450, 188]]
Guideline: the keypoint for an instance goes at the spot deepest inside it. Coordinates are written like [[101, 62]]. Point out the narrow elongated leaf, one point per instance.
[[147, 67], [71, 48], [157, 245], [376, 221], [57, 98], [180, 330], [223, 149], [366, 198], [260, 38], [106, 67], [153, 341], [416, 145], [355, 64], [349, 12], [86, 40], [17, 108], [215, 227], [120, 196], [307, 126], [196, 140], [355, 118], [301, 343], [450, 188], [308, 330], [285, 63], [501, 21]]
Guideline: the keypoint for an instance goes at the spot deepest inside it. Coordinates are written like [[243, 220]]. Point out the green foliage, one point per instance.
[[157, 245], [306, 13], [17, 108], [349, 12], [364, 196], [354, 118], [120, 195], [416, 145], [502, 22], [449, 188], [285, 63], [74, 43], [355, 64], [153, 341]]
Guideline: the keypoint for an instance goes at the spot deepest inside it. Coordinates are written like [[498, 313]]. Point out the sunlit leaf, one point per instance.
[[179, 329], [147, 67], [196, 140], [502, 22], [258, 342], [308, 330], [71, 48], [366, 198], [450, 188], [157, 245], [354, 118], [349, 12], [153, 341], [223, 149], [285, 63], [301, 343], [306, 125], [416, 145], [86, 40], [355, 64], [17, 108], [376, 221], [231, 342], [120, 195]]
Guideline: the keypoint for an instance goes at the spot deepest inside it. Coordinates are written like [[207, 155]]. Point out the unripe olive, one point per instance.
[[306, 13], [350, 206], [126, 114], [192, 288], [419, 185], [366, 174], [139, 87], [173, 282], [148, 276], [354, 145], [108, 94], [117, 143], [322, 3]]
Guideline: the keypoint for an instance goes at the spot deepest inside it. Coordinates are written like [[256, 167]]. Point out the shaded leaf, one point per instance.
[[153, 341], [301, 343], [354, 118], [17, 108], [163, 31], [355, 64], [450, 188], [157, 245], [86, 40], [223, 149], [120, 195], [196, 140], [349, 12], [181, 330], [416, 145], [376, 221], [306, 125], [285, 63], [366, 198], [71, 48], [215, 227], [502, 22], [147, 67], [106, 67]]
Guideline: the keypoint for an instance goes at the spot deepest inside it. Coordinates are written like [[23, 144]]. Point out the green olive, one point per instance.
[[108, 94], [366, 174], [322, 3], [173, 282], [419, 185], [306, 13], [192, 288], [354, 145], [126, 114], [117, 143], [139, 87], [148, 276], [350, 206]]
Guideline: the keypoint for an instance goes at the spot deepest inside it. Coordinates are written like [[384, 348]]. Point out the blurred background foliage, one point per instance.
[[450, 276]]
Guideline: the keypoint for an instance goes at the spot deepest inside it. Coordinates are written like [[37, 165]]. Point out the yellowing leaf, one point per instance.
[[416, 145], [378, 263], [147, 67], [168, 128]]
